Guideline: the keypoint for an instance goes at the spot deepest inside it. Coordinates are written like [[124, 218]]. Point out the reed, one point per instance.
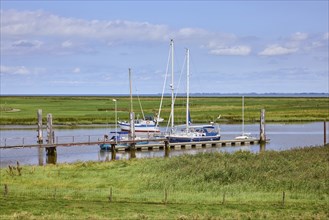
[[202, 186]]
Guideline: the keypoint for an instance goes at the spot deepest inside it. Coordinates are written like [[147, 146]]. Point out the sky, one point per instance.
[[87, 47]]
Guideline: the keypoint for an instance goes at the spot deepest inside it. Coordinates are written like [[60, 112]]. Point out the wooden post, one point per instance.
[[40, 138], [283, 198], [262, 136], [113, 152], [50, 136], [224, 195], [167, 149], [165, 196], [132, 151], [5, 191], [50, 129], [324, 133], [110, 196]]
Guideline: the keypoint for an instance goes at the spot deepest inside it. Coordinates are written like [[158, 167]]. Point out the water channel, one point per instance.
[[282, 137]]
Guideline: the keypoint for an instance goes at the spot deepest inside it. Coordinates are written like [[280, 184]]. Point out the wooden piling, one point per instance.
[[167, 148], [40, 138], [324, 132], [50, 129], [51, 151], [262, 135], [132, 151], [113, 152]]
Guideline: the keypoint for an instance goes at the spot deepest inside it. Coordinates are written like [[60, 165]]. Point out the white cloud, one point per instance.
[[40, 23], [277, 50], [326, 36], [15, 70], [27, 44], [21, 70], [299, 36], [192, 32], [233, 51], [76, 70], [67, 44]]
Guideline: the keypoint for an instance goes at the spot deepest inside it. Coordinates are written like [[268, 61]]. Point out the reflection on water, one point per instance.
[[282, 137]]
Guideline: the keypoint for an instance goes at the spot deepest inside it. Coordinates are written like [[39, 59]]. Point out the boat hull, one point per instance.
[[177, 139], [139, 127]]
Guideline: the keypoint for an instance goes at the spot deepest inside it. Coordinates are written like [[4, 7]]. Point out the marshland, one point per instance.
[[241, 184]]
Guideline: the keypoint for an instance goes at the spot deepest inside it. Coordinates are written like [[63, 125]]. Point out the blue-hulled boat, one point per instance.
[[188, 132], [115, 136]]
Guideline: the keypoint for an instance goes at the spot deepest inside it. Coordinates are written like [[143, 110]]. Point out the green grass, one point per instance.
[[100, 110], [241, 185]]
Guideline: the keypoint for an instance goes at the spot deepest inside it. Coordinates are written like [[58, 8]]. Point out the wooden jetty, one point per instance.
[[153, 144]]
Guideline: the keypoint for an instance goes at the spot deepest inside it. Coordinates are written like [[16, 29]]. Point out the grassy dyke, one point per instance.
[[241, 185], [100, 110]]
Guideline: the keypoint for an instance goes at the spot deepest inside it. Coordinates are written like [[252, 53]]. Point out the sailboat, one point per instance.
[[244, 135], [189, 132], [146, 124]]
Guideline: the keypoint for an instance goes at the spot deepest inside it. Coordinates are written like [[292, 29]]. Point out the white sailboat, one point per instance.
[[244, 135], [146, 124], [190, 133]]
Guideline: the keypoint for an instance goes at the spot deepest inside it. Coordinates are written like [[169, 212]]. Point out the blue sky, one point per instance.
[[86, 47]]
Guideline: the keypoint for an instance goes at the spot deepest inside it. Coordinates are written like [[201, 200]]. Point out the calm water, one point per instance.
[[282, 137]]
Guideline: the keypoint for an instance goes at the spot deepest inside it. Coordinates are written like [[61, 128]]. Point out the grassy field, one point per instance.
[[101, 110], [241, 185]]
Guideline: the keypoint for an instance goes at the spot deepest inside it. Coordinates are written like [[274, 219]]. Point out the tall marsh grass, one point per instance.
[[219, 184]]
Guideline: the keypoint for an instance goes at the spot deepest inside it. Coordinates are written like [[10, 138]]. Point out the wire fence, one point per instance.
[[110, 194], [146, 196]]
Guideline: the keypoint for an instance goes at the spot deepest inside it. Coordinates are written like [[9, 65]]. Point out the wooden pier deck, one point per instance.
[[195, 145], [154, 144]]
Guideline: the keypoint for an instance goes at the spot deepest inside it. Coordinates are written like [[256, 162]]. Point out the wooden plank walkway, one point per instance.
[[154, 144], [196, 145]]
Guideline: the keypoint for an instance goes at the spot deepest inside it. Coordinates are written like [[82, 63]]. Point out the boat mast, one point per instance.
[[187, 87], [172, 83], [242, 115], [130, 89], [131, 115]]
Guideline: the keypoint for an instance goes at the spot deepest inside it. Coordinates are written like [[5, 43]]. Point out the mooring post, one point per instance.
[[113, 152], [262, 136], [167, 148], [40, 138], [49, 129], [50, 135], [325, 132]]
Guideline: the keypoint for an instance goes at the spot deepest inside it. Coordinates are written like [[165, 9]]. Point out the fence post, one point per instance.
[[283, 198], [165, 196], [5, 192], [110, 196], [224, 195]]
